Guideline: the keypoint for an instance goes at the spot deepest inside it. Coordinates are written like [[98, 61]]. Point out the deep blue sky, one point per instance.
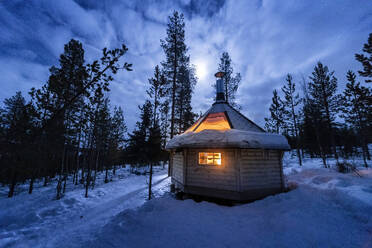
[[266, 40]]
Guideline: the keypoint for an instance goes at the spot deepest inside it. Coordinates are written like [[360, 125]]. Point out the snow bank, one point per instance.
[[229, 138], [313, 173], [327, 209], [303, 217]]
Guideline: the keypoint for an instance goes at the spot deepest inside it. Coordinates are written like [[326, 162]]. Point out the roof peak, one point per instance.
[[228, 117]]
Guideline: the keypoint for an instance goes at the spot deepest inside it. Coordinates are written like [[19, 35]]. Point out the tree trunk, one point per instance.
[[13, 183], [367, 152], [46, 181], [64, 183], [77, 159], [60, 178], [296, 133], [321, 149], [65, 175], [88, 176], [328, 117], [31, 187], [95, 170], [106, 175], [87, 182], [150, 182], [82, 168]]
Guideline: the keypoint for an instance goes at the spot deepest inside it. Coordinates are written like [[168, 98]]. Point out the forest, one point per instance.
[[68, 130]]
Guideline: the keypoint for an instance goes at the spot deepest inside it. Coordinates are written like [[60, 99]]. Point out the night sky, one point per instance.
[[266, 40]]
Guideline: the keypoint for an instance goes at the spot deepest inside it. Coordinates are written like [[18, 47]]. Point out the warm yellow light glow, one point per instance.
[[190, 129], [210, 158], [215, 121]]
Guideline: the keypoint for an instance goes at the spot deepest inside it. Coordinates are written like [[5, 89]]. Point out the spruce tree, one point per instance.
[[154, 151], [66, 82], [322, 89], [184, 114], [117, 134], [366, 60], [138, 149], [313, 125], [176, 56], [231, 81], [356, 109], [18, 124], [164, 122], [291, 101], [269, 125], [156, 91], [277, 113]]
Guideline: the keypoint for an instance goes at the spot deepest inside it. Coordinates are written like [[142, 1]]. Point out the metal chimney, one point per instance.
[[220, 89]]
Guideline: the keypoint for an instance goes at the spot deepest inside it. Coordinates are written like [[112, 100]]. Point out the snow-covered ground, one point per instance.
[[38, 220], [325, 209]]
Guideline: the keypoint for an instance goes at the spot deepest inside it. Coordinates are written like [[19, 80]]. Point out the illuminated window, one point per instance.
[[210, 158]]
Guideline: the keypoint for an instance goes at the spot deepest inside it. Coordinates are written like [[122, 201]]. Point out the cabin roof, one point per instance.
[[224, 126], [235, 118]]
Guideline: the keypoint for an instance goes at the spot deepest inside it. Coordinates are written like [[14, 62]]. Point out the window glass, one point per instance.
[[210, 158]]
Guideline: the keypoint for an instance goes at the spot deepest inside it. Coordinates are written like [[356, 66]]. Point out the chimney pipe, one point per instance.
[[220, 89]]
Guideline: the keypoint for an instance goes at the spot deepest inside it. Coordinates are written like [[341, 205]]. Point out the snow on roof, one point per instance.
[[229, 138], [212, 130]]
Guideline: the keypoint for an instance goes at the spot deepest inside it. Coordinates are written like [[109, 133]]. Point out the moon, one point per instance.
[[201, 69]]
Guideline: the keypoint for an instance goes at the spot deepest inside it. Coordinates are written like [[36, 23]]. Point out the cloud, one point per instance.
[[266, 40]]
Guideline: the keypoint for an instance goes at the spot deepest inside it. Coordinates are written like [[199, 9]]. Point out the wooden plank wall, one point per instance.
[[217, 177], [260, 169], [177, 169]]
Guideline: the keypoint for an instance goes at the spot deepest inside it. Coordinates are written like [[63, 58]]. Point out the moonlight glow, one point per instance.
[[201, 69]]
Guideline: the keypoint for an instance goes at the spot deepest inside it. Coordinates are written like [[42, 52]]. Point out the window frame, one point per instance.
[[214, 164]]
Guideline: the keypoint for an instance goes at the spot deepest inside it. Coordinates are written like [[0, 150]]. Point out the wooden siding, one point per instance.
[[221, 177], [177, 167], [260, 169]]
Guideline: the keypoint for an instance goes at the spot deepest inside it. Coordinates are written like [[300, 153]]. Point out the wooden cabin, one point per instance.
[[226, 155]]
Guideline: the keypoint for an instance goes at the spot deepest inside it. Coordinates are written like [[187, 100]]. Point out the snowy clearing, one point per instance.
[[38, 220], [326, 209]]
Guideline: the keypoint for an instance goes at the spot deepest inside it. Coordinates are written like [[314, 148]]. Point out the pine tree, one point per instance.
[[357, 110], [157, 91], [322, 90], [366, 60], [60, 138], [138, 150], [101, 135], [154, 151], [184, 115], [66, 82], [231, 81], [276, 113], [292, 100], [313, 123], [270, 125], [117, 135], [18, 125], [164, 122], [175, 51]]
